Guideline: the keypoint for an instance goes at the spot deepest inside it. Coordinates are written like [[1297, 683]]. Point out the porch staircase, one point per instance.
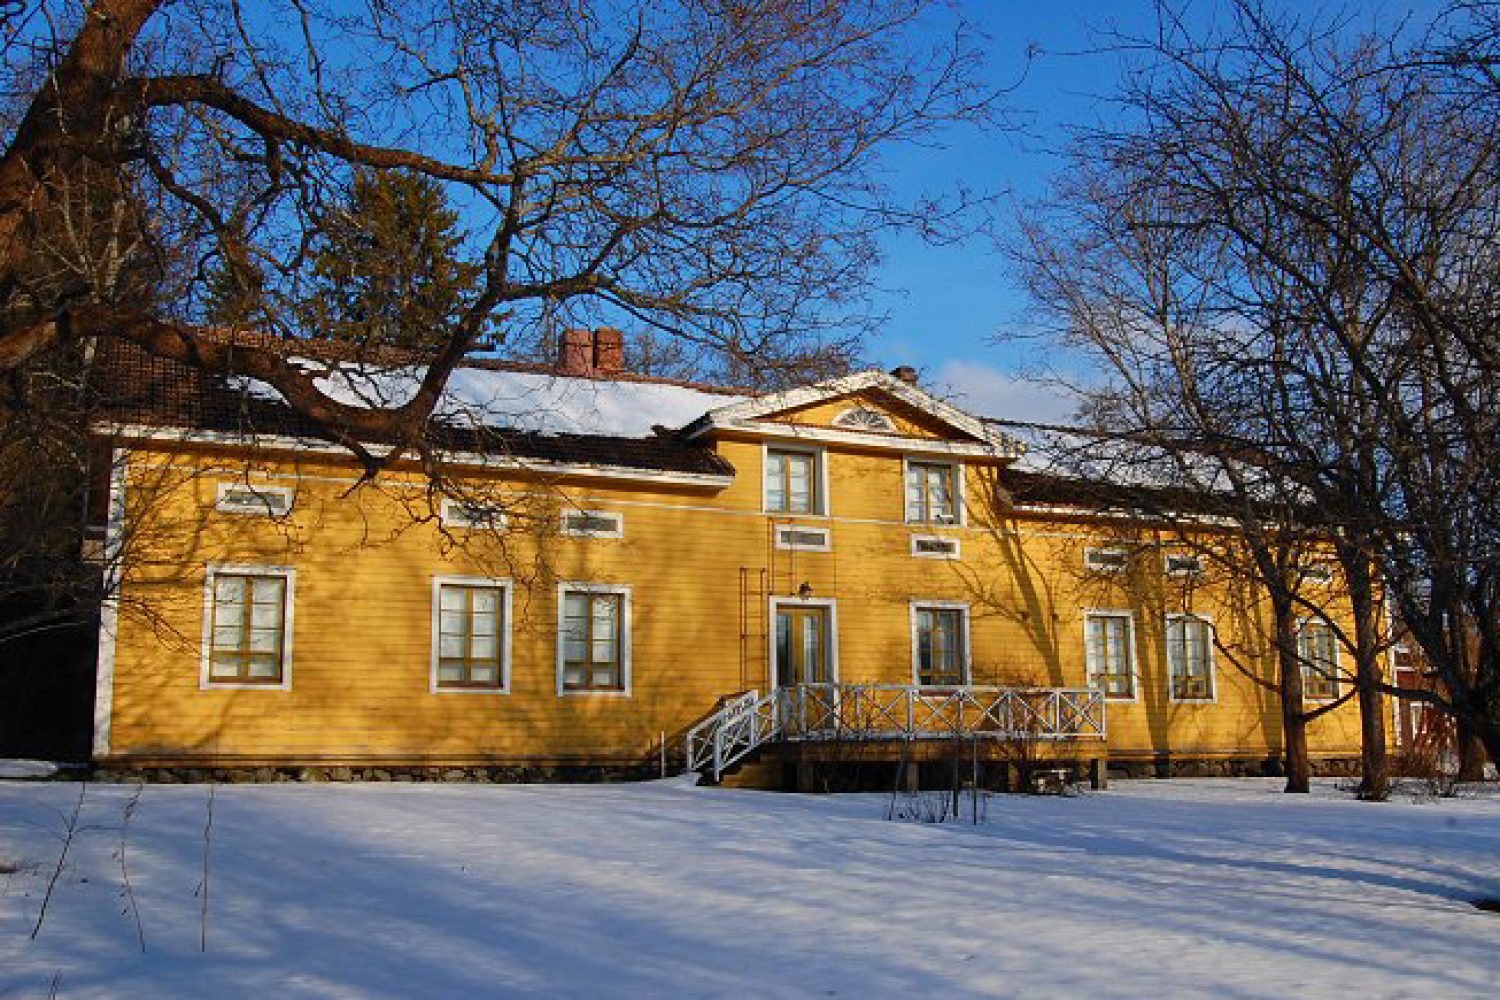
[[745, 722]]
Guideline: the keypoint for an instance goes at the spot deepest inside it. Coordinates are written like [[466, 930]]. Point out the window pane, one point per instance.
[[799, 483], [483, 647], [266, 616], [916, 493], [264, 667], [775, 481], [229, 589], [484, 675], [268, 591]]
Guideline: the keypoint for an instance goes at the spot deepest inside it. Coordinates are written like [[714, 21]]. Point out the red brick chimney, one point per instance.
[[906, 373], [575, 354], [609, 350]]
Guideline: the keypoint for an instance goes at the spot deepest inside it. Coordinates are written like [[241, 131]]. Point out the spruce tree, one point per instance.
[[386, 266]]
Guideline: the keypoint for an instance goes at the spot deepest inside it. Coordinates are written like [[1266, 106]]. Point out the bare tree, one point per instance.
[[702, 167], [1268, 257]]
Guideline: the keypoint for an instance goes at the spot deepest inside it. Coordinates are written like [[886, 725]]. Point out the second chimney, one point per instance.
[[575, 354], [609, 350], [905, 373]]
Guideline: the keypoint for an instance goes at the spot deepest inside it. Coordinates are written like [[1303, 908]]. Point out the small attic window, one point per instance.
[[860, 418], [1106, 560], [593, 524], [1178, 564], [243, 498], [461, 514]]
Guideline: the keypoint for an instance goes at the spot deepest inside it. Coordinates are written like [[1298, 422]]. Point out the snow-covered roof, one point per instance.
[[526, 401]]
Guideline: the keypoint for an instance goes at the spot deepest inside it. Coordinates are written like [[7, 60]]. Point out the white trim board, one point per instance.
[[314, 446], [736, 414], [109, 611]]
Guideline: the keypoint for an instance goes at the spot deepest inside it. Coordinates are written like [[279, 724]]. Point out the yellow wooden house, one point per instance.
[[614, 571]]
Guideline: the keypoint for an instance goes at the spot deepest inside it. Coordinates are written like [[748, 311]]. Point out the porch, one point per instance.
[[897, 714]]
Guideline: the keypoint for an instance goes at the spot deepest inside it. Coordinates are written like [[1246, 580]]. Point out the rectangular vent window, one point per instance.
[[1184, 566], [1107, 560], [242, 498], [934, 547], [1315, 573], [472, 515], [593, 524], [803, 539]]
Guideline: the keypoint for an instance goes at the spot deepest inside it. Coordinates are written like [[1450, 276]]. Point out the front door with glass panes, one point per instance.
[[802, 646]]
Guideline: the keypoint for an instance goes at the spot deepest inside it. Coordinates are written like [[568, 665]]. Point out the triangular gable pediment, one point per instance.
[[869, 408]]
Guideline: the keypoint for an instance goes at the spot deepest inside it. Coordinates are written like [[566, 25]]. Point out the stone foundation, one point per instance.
[[485, 774]]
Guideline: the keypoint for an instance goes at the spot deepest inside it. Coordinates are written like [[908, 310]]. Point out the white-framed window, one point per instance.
[[470, 635], [593, 638], [1109, 653], [254, 499], [936, 547], [801, 538], [247, 626], [593, 524], [795, 480], [1106, 560], [940, 643], [862, 418], [1318, 647], [472, 514], [933, 492], [1182, 564], [1190, 658], [1318, 574]]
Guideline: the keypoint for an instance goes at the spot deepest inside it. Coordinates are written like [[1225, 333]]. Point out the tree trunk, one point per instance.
[[1293, 719], [1471, 755], [1375, 775]]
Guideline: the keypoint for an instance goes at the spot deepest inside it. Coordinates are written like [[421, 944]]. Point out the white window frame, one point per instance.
[[1338, 666], [617, 532], [966, 664], [960, 501], [289, 603], [820, 473], [451, 515], [1209, 651], [1196, 570], [627, 673], [1319, 574], [224, 489], [826, 545], [506, 588], [954, 540], [1135, 669], [1092, 551], [833, 634]]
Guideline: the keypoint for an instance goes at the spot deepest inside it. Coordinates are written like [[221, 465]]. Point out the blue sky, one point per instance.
[[953, 309]]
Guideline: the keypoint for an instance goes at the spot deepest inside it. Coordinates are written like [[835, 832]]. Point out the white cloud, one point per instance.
[[988, 392]]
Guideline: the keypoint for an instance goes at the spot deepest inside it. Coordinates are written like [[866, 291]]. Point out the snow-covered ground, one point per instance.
[[1181, 888]]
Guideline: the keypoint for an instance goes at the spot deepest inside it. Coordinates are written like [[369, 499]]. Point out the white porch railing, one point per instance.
[[823, 712]]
